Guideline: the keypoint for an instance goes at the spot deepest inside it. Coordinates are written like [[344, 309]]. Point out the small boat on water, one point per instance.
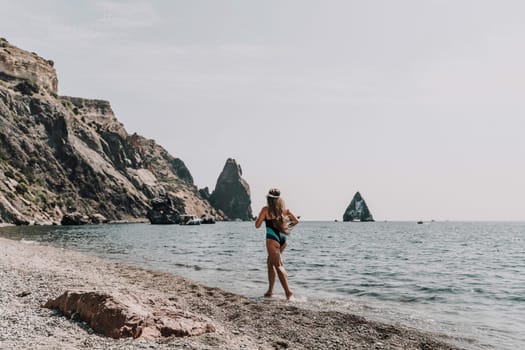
[[188, 219]]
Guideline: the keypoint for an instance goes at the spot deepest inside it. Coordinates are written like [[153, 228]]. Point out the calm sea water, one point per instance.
[[466, 280]]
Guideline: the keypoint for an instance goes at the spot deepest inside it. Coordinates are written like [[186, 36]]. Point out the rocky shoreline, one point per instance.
[[31, 274]]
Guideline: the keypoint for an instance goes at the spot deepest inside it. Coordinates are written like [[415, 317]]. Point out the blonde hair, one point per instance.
[[276, 210]]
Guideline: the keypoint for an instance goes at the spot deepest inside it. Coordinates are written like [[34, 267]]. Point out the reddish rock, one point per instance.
[[127, 316]]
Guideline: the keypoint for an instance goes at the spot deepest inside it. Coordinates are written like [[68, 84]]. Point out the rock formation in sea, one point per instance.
[[232, 193], [357, 210], [69, 157]]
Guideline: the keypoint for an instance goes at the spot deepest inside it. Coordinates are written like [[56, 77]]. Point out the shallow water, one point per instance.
[[466, 280]]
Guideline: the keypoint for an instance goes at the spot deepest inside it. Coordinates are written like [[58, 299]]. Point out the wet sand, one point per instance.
[[44, 272]]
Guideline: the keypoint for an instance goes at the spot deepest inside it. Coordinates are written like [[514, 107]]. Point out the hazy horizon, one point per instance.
[[417, 105]]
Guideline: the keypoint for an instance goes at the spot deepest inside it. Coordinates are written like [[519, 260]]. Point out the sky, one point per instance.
[[419, 105]]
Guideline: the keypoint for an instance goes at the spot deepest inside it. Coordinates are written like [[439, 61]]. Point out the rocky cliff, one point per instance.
[[62, 154], [232, 193], [357, 210], [21, 66]]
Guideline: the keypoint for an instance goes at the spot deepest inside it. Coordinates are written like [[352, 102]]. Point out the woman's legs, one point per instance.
[[275, 265], [271, 278]]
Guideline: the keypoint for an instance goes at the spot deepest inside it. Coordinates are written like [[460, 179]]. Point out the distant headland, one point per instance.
[[69, 160]]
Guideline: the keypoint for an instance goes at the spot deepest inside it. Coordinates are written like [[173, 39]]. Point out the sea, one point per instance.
[[464, 281]]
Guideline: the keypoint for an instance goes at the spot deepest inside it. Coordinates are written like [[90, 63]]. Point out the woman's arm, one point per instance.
[[293, 218], [261, 217]]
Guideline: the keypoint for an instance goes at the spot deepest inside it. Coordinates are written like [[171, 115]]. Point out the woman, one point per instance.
[[278, 220]]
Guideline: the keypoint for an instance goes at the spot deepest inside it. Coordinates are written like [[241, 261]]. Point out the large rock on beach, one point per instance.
[[75, 218], [164, 210], [232, 193], [357, 210], [119, 316]]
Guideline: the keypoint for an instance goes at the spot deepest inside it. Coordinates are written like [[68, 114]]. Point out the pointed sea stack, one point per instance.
[[357, 210], [232, 193]]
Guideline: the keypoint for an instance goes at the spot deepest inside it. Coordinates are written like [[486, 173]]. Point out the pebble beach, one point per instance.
[[31, 274]]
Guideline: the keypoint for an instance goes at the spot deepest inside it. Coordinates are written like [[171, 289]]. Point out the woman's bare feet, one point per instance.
[[268, 294], [289, 295]]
